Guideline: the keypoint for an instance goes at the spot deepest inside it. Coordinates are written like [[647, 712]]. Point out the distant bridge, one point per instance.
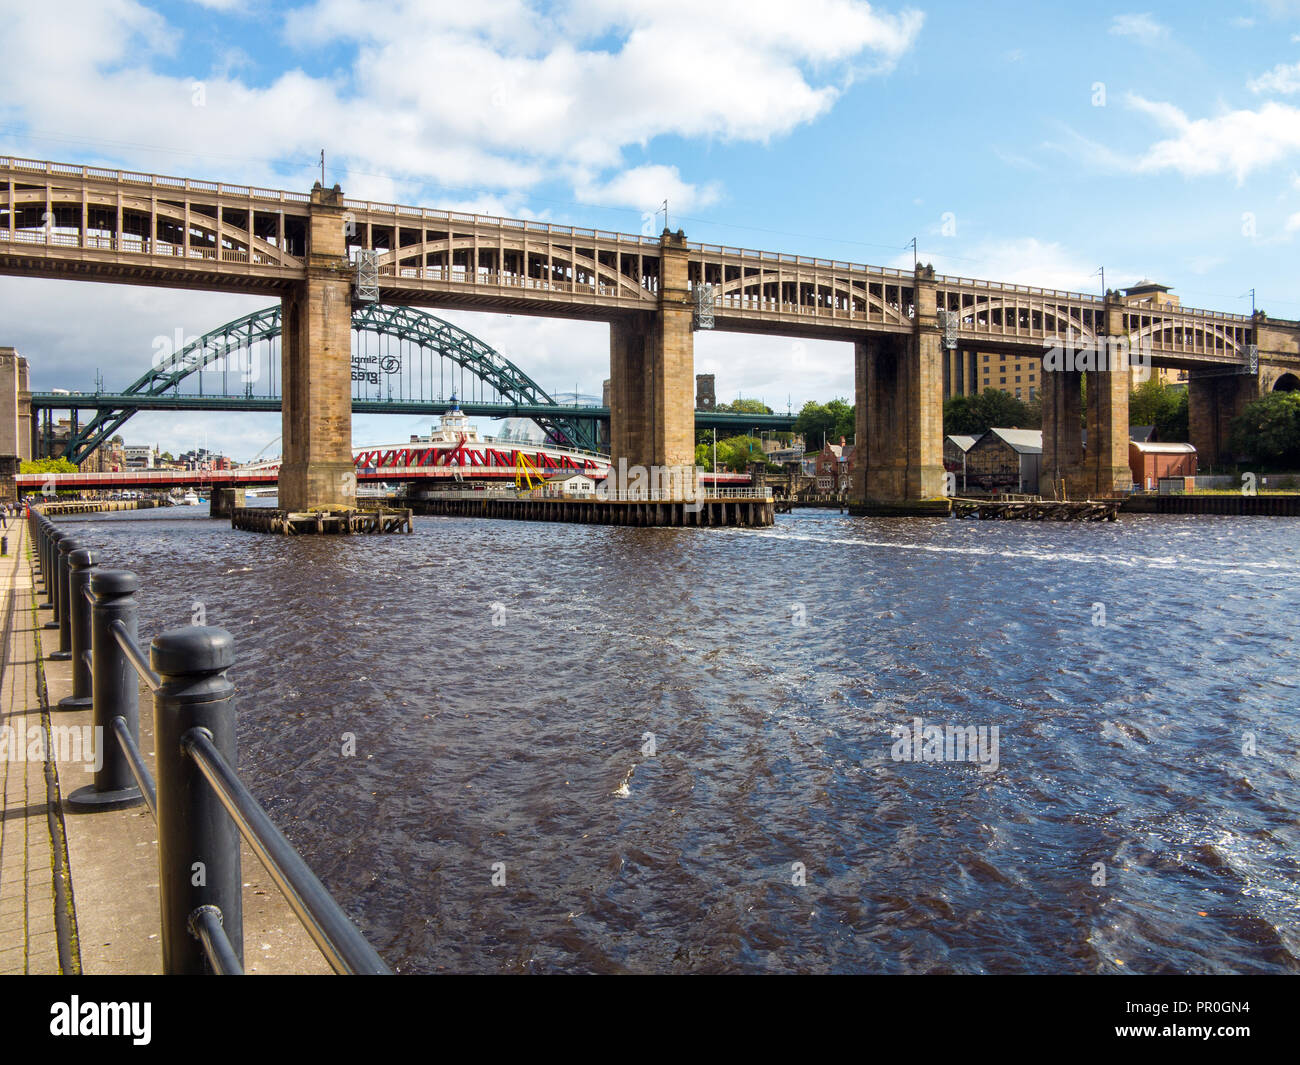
[[414, 354]]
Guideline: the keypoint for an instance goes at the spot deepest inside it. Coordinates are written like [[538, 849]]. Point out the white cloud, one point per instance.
[[646, 187], [1283, 78], [1143, 27], [495, 95], [1235, 142], [1292, 223]]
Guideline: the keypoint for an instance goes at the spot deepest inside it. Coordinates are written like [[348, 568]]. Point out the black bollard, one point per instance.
[[66, 546], [39, 535], [198, 843], [46, 538], [51, 574], [81, 564], [116, 690]]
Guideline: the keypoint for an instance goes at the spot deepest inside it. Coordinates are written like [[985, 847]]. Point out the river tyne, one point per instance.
[[599, 749]]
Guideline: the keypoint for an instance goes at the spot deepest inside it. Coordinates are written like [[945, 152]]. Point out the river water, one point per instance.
[[581, 748]]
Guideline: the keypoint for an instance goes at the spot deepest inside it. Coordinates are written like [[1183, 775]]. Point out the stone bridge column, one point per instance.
[[652, 378], [316, 362], [1214, 398], [1109, 385], [24, 411], [224, 501], [898, 395], [1217, 395], [11, 420], [1062, 433]]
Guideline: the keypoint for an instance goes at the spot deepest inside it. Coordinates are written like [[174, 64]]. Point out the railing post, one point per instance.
[[80, 564], [66, 546], [116, 690], [51, 584], [198, 842], [44, 531]]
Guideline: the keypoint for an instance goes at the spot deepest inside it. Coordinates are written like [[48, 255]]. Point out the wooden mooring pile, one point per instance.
[[1036, 509], [339, 521]]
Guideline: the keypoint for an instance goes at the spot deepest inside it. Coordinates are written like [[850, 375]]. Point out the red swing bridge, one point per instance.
[[419, 464]]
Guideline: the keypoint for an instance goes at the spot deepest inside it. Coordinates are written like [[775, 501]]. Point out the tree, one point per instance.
[[991, 409], [734, 454], [828, 421], [1155, 403], [745, 406], [1268, 430], [59, 465]]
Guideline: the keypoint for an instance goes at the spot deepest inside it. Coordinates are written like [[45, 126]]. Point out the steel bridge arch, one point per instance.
[[403, 323]]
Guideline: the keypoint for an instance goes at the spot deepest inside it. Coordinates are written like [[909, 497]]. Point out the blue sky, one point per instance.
[[1022, 142]]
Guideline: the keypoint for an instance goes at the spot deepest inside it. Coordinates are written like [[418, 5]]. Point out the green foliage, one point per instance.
[[828, 421], [734, 453], [1268, 430], [745, 406], [990, 409], [59, 465], [1155, 403]]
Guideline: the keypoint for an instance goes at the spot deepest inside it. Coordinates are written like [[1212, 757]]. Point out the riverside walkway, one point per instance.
[[79, 891], [36, 932]]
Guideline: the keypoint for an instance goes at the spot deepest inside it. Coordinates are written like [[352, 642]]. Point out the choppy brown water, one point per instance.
[[521, 742]]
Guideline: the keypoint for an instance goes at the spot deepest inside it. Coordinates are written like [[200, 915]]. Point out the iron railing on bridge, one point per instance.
[[200, 805]]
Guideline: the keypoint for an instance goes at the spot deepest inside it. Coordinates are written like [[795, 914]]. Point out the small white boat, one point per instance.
[[190, 499]]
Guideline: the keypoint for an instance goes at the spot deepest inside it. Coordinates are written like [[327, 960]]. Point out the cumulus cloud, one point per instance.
[[497, 94], [1283, 79], [646, 187], [1234, 142]]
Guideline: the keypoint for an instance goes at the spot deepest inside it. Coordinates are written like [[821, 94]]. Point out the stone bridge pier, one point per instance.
[[652, 378], [1102, 371], [1215, 396], [898, 397], [316, 360]]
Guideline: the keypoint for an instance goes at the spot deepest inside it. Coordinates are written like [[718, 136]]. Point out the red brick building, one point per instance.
[[1150, 461]]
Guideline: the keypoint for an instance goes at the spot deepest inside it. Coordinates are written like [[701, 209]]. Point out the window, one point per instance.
[[1031, 393], [1017, 393], [986, 358], [1003, 381]]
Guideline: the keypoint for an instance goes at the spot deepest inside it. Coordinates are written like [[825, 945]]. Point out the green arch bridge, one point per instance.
[[415, 357]]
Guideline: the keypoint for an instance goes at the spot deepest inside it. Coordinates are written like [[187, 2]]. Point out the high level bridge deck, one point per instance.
[[118, 225], [323, 253]]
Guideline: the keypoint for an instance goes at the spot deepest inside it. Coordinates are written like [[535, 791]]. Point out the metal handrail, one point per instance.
[[207, 926], [191, 693], [135, 656], [344, 947], [135, 762]]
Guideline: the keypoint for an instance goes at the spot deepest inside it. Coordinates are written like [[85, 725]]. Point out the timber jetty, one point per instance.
[[1037, 509], [341, 521], [751, 510]]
